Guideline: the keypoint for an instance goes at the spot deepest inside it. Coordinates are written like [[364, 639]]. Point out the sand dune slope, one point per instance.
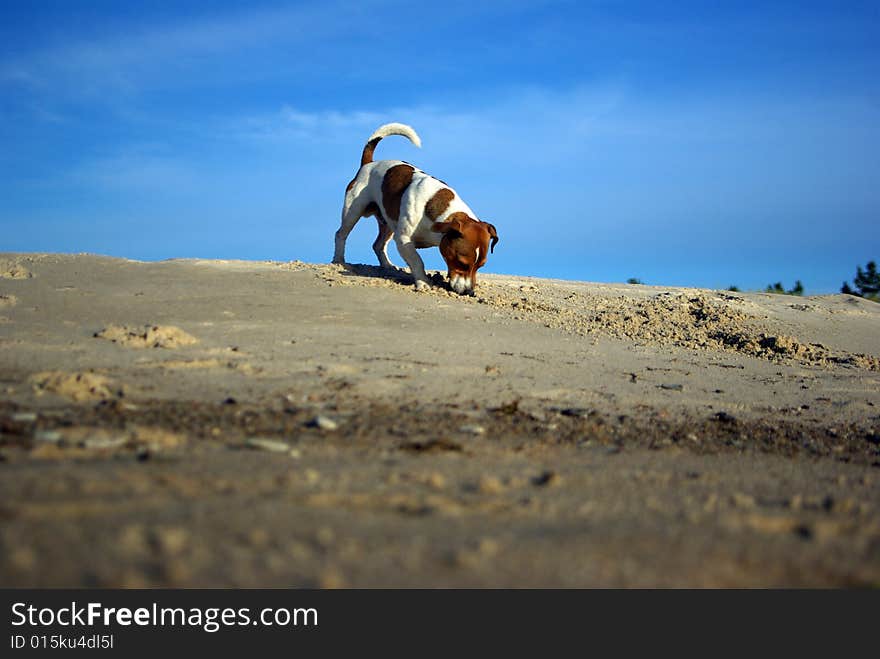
[[226, 423]]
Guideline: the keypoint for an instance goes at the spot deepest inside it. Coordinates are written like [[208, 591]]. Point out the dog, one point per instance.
[[419, 211]]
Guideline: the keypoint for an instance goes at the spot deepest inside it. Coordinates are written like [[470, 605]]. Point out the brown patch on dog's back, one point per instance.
[[395, 183], [438, 204]]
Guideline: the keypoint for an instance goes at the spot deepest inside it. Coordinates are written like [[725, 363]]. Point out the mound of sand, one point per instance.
[[697, 320], [80, 387], [12, 269], [149, 336], [8, 301]]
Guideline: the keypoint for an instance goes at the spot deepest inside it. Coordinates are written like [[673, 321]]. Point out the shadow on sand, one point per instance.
[[397, 275]]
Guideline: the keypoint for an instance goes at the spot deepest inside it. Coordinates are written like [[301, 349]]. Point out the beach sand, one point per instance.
[[204, 423]]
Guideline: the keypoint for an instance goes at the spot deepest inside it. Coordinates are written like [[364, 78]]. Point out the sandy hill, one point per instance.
[[212, 423]]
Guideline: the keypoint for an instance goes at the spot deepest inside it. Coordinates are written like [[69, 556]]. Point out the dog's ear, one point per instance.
[[493, 234], [446, 227]]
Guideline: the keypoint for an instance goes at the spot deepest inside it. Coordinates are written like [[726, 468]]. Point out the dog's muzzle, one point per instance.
[[461, 285]]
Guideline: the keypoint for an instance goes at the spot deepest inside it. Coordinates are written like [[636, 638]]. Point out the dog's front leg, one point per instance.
[[413, 260]]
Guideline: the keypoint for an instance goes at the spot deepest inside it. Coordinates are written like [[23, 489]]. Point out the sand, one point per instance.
[[224, 423]]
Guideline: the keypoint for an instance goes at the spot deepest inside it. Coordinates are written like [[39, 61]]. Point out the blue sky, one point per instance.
[[697, 144]]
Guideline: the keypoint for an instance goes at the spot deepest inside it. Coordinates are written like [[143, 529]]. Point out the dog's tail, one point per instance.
[[385, 131]]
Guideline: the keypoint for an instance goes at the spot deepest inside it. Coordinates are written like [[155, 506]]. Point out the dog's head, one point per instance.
[[465, 246]]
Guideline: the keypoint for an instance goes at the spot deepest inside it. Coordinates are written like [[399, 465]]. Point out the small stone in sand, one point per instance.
[[264, 444], [98, 443], [575, 411], [48, 436], [436, 481], [488, 547], [331, 579], [490, 485], [741, 500], [547, 478], [323, 422], [171, 540]]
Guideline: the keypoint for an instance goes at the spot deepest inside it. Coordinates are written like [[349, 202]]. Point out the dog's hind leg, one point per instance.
[[380, 245]]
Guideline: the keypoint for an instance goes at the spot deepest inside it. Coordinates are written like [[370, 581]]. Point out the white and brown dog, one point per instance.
[[419, 211]]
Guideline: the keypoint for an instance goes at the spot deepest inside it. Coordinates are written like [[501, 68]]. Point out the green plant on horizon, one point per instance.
[[733, 289], [779, 290], [867, 283], [634, 280]]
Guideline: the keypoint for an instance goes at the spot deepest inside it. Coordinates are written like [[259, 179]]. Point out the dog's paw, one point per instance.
[[422, 286]]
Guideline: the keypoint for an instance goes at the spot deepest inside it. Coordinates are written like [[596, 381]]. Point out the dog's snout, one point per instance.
[[461, 284]]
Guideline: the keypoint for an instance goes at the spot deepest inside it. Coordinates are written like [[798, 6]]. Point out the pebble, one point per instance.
[[490, 485], [48, 436], [331, 578], [436, 481], [488, 547], [133, 539], [672, 387], [473, 557], [325, 536], [23, 559], [258, 537], [323, 422], [171, 540], [104, 442], [547, 478], [473, 429], [742, 500], [24, 417], [264, 444]]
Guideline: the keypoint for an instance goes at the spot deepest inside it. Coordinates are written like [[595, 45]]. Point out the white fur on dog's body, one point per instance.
[[412, 230]]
